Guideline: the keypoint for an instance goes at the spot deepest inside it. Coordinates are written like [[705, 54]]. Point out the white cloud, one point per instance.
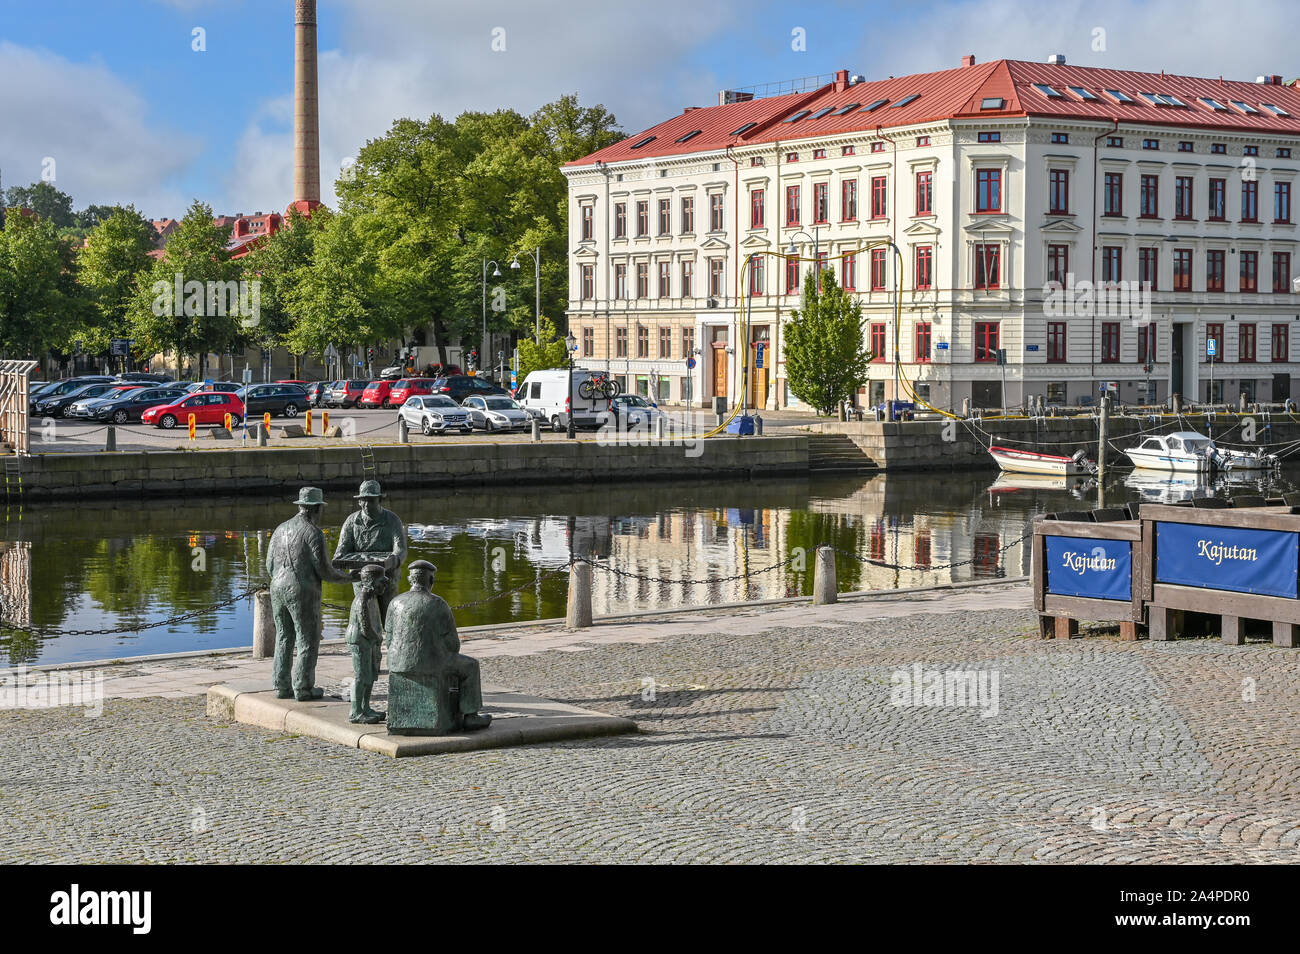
[[93, 126]]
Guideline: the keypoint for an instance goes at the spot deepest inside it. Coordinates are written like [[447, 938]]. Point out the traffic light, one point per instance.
[[370, 354]]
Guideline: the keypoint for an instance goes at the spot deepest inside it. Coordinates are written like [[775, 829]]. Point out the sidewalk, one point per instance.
[[767, 734]]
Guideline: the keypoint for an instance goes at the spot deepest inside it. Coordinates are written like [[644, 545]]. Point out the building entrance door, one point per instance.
[[719, 372], [1281, 387]]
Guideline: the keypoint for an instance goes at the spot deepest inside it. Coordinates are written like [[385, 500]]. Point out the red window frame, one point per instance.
[[1058, 264], [1112, 263], [715, 277], [588, 282], [923, 267], [716, 215], [688, 215], [1281, 342], [1149, 267], [1113, 194], [1246, 337], [792, 274], [922, 341], [1250, 200], [988, 266], [642, 218], [849, 273], [988, 337], [620, 220], [620, 281], [821, 203], [792, 205], [1110, 342], [1248, 271], [1056, 342], [1217, 200], [642, 279], [849, 200], [878, 277], [757, 276], [1149, 197], [588, 223], [620, 342], [1182, 269], [925, 193], [665, 280], [879, 341], [665, 216], [988, 191], [1058, 191], [1183, 197], [756, 208], [688, 277], [1214, 330], [879, 197], [1282, 203], [1147, 343], [1281, 272], [1215, 268]]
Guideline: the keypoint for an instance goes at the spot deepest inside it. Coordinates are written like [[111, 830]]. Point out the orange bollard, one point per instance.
[[325, 422], [309, 423], [191, 427], [266, 421], [226, 420]]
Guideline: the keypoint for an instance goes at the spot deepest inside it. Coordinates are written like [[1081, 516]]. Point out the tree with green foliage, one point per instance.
[[552, 352], [194, 322], [46, 201], [280, 263], [39, 299], [826, 361], [110, 267]]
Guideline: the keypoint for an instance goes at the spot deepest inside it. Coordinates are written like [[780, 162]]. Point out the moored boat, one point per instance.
[[1180, 452], [1014, 461]]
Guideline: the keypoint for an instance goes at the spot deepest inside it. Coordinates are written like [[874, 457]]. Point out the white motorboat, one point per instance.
[[1180, 452], [1013, 461], [1244, 461], [1169, 487]]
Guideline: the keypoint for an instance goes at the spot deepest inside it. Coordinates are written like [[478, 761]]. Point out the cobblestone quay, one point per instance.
[[768, 735]]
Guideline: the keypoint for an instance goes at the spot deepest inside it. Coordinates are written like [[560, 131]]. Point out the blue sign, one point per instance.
[[1031, 347], [1211, 346], [1228, 558], [758, 355], [942, 346], [690, 364], [1091, 568]]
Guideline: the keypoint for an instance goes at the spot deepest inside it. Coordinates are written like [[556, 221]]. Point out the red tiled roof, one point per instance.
[[958, 94]]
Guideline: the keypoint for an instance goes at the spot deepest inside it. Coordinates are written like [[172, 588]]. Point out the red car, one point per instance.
[[208, 407], [376, 394], [408, 387]]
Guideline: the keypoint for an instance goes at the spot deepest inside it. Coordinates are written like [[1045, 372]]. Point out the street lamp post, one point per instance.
[[537, 289], [816, 240], [571, 346], [496, 273]]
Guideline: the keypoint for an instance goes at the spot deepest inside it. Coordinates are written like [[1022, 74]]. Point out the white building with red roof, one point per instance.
[[1010, 189]]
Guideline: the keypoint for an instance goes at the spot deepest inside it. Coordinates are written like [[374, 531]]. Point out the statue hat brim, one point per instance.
[[369, 489], [310, 497]]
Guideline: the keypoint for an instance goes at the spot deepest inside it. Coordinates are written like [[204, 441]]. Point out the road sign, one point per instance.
[[1031, 347], [758, 355], [1211, 346], [120, 347], [690, 364], [248, 375], [941, 346]]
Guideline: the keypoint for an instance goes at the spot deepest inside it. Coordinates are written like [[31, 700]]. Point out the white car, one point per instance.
[[434, 414], [496, 412]]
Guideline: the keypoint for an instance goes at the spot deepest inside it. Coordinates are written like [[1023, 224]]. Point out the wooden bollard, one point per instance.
[[263, 625], [825, 587], [578, 615]]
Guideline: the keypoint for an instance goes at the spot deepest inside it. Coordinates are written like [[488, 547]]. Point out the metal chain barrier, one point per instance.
[[130, 628]]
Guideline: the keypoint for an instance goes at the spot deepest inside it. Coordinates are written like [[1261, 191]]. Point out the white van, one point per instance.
[[543, 395]]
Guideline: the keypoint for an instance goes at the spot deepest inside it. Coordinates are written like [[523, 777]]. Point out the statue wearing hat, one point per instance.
[[298, 562], [364, 636], [433, 689], [373, 535]]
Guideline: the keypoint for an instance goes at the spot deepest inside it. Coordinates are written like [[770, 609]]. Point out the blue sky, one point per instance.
[[113, 92]]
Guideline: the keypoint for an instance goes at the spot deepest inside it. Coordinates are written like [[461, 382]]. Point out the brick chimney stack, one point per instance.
[[306, 110]]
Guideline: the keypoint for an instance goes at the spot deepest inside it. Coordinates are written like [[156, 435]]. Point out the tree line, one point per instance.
[[418, 212]]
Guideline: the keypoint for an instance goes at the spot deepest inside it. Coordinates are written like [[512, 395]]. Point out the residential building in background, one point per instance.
[[1008, 188]]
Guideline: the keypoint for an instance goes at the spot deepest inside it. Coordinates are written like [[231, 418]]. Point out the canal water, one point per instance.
[[99, 566]]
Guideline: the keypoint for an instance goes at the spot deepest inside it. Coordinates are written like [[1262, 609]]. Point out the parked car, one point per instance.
[[545, 394], [630, 411], [460, 386], [318, 391], [496, 413], [276, 399], [229, 387], [61, 388], [434, 414], [55, 404], [408, 387], [84, 407], [346, 393], [376, 394], [208, 407], [129, 406]]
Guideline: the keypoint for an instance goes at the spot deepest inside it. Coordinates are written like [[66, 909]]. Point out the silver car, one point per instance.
[[434, 414], [496, 412]]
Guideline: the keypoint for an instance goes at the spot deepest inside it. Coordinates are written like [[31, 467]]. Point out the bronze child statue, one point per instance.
[[365, 635]]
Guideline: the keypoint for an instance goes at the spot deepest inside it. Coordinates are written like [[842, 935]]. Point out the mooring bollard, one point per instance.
[[537, 431], [965, 407], [261, 435], [758, 426], [110, 440], [578, 615], [659, 428], [825, 588], [403, 431], [263, 625]]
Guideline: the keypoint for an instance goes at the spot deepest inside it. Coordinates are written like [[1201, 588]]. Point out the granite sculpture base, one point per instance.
[[517, 719]]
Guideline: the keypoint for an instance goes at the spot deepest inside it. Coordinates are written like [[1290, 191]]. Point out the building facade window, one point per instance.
[[715, 278], [1183, 197], [1113, 194], [716, 221], [849, 200], [1214, 269], [1112, 258], [923, 271], [642, 279], [756, 208], [688, 342], [988, 190], [1217, 208], [1056, 342], [1281, 272], [620, 220], [665, 342], [987, 337], [1250, 201], [821, 203], [849, 273], [665, 282], [1281, 345], [1249, 271], [688, 215], [1246, 341], [588, 223], [642, 219], [588, 282], [922, 342], [792, 274], [642, 341], [1182, 269], [1058, 263], [878, 339], [988, 137], [879, 197], [1109, 342], [688, 278], [792, 205], [1147, 343], [620, 342], [1149, 197], [878, 262], [665, 216], [988, 272], [757, 276], [1214, 332], [620, 281], [1148, 267], [1282, 203], [588, 342], [925, 193], [1058, 191]]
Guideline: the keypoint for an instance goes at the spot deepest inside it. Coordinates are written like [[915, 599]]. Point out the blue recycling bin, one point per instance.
[[742, 425]]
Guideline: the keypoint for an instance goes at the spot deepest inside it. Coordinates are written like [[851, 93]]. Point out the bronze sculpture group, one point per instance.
[[433, 689]]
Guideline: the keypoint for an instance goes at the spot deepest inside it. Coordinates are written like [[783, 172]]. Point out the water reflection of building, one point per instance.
[[16, 582]]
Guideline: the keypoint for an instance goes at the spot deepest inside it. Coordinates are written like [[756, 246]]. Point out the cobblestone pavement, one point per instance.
[[759, 743]]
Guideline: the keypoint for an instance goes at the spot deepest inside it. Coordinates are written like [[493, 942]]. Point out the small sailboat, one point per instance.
[[1013, 461]]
